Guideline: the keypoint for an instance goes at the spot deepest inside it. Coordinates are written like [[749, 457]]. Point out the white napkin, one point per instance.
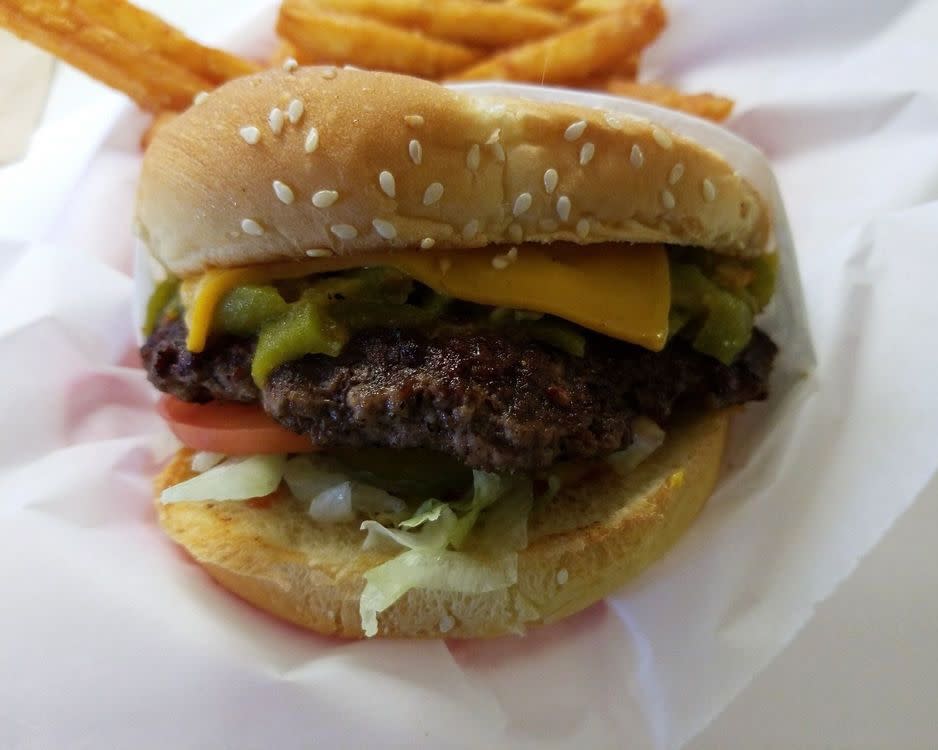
[[25, 76]]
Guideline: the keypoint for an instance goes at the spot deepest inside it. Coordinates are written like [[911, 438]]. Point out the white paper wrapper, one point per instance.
[[112, 638]]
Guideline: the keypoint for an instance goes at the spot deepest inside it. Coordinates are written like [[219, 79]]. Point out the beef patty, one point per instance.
[[495, 401]]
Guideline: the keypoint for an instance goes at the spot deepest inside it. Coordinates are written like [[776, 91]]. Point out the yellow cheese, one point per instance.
[[622, 291]]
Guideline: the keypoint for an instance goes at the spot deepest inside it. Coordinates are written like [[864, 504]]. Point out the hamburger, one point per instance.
[[442, 364]]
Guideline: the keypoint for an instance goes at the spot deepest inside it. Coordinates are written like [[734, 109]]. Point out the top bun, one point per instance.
[[276, 164]]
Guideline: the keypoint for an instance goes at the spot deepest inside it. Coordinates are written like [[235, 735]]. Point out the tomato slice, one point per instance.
[[232, 429]]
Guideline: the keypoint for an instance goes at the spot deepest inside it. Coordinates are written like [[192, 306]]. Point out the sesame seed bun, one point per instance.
[[583, 544], [276, 164]]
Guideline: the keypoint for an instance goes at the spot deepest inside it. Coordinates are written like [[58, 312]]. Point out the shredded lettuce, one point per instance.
[[433, 539], [434, 570], [430, 510], [504, 526], [432, 535], [486, 489], [234, 479]]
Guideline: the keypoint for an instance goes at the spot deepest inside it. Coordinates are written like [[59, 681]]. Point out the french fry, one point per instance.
[[323, 37], [161, 119], [583, 9], [158, 38], [706, 105], [124, 47], [555, 5], [154, 84], [472, 22], [582, 52], [627, 67]]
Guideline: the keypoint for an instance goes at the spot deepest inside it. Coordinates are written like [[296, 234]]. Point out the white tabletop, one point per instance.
[[862, 674]]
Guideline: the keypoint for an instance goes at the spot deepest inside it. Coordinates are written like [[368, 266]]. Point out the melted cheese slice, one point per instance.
[[622, 291]]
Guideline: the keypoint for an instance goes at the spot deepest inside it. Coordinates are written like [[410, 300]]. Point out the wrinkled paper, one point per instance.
[[111, 637]]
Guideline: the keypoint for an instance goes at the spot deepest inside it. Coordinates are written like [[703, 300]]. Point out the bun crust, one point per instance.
[[207, 197], [583, 544]]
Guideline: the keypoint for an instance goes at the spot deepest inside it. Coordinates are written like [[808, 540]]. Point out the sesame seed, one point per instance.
[[325, 198], [275, 120], [445, 264], [522, 204], [250, 134], [583, 228], [386, 181], [611, 120], [319, 253], [427, 242], [469, 231], [562, 576], [677, 172], [414, 121], [294, 111], [494, 138], [283, 191], [385, 228], [312, 141], [563, 207], [661, 138], [586, 153], [472, 158], [249, 226], [446, 623], [200, 97], [551, 178], [709, 190], [547, 225], [344, 231], [515, 232], [636, 157], [290, 64], [329, 73], [501, 262], [499, 150], [667, 199], [432, 194], [575, 130], [416, 151]]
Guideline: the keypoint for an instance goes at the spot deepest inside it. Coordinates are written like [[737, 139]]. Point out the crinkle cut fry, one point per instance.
[[124, 47], [584, 51], [709, 106], [327, 37]]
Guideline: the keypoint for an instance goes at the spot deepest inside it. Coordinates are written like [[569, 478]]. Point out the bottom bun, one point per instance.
[[583, 544]]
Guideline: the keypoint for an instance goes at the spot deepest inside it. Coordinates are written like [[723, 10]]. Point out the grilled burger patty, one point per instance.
[[493, 400]]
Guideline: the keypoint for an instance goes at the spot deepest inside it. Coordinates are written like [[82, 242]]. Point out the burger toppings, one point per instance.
[[620, 291]]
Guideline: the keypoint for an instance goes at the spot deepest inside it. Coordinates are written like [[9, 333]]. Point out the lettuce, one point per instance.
[[233, 479], [434, 570], [433, 537]]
